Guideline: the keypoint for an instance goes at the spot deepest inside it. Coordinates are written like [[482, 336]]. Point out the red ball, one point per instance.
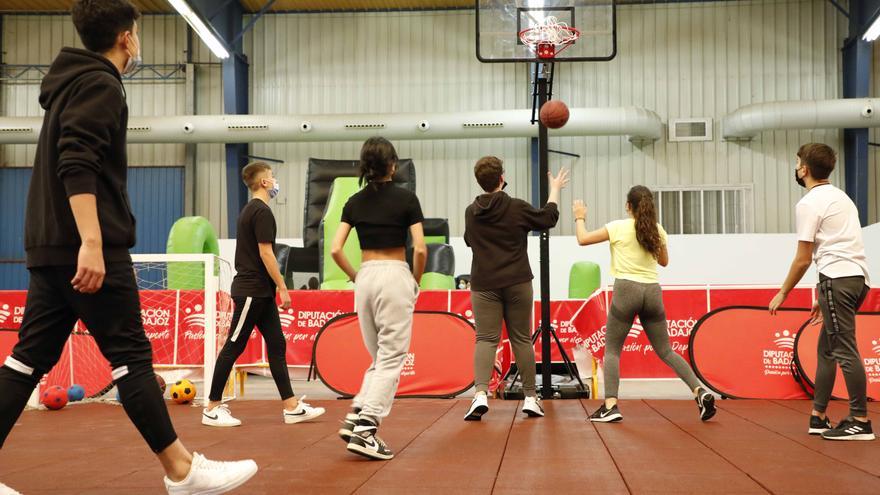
[[554, 114], [54, 397], [161, 382]]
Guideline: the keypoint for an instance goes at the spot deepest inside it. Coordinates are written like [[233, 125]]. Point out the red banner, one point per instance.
[[174, 321], [11, 309], [439, 362], [684, 307], [744, 352], [868, 340], [309, 311]]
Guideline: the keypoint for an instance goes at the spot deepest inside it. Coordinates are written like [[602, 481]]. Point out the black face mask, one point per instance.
[[799, 180]]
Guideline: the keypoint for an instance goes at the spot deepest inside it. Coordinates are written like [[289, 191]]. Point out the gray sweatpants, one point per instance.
[[512, 305], [839, 299], [646, 301], [385, 295]]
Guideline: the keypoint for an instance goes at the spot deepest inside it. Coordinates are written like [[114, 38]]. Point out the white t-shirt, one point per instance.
[[827, 217]]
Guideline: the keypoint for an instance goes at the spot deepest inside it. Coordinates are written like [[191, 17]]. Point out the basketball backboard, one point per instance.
[[500, 22]]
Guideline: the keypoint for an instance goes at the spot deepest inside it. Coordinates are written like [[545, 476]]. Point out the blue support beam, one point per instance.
[[857, 84], [228, 21]]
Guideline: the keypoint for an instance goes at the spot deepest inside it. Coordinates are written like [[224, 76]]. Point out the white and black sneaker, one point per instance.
[[219, 416], [605, 415], [365, 442], [850, 429], [303, 412], [479, 407], [706, 403], [348, 425], [532, 407], [819, 425]]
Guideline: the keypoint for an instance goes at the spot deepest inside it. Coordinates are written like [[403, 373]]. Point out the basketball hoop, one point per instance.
[[549, 38]]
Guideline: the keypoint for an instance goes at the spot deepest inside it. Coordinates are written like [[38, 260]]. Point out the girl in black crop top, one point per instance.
[[385, 289]]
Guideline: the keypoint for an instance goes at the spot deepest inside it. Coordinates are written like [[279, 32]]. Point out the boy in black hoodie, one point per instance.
[[496, 229], [78, 258]]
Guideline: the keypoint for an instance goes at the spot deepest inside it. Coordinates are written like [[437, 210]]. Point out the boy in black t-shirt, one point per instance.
[[253, 292]]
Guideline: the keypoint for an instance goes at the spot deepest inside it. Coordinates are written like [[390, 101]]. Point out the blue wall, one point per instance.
[[156, 195]]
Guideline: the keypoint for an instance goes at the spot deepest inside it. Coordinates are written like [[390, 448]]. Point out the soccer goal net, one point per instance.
[[186, 310]]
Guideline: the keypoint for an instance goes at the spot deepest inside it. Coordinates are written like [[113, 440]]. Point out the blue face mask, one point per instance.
[[276, 188]]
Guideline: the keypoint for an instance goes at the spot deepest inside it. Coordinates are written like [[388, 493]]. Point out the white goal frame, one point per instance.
[[211, 284]]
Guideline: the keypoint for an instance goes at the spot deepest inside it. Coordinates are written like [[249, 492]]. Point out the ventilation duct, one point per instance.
[[850, 113], [639, 124]]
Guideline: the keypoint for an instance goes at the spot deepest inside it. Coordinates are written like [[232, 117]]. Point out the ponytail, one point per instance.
[[641, 203], [377, 157]]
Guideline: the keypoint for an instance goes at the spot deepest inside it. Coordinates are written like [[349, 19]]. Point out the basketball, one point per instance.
[[183, 392], [76, 393], [161, 382], [54, 397], [554, 114]]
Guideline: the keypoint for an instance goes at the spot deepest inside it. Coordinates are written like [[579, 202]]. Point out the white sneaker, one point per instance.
[[219, 416], [479, 407], [303, 412], [212, 477], [5, 490], [532, 407]]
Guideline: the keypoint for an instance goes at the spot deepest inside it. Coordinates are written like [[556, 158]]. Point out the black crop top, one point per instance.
[[382, 213]]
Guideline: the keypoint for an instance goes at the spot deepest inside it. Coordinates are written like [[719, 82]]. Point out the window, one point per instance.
[[705, 209]]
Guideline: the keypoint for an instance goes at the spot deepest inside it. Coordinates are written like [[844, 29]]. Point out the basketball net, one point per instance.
[[549, 37]]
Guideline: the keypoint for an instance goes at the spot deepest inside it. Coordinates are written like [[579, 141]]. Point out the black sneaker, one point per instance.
[[605, 415], [818, 425], [364, 442], [850, 429], [706, 403], [348, 425]]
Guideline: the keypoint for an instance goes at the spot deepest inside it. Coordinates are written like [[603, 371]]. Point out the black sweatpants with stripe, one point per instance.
[[839, 300], [113, 317], [262, 313]]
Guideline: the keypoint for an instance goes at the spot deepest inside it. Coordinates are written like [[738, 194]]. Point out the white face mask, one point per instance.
[[133, 62], [276, 188]]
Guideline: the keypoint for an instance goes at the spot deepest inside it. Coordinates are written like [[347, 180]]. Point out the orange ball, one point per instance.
[[554, 114]]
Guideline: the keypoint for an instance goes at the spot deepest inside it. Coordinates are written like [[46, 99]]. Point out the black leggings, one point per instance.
[[113, 317], [250, 311]]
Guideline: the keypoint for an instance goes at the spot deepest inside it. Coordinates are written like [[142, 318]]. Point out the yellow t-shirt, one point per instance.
[[629, 260]]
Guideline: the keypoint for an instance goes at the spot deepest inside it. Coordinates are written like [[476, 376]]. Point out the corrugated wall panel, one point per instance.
[[383, 62], [705, 60], [29, 39], [14, 184], [156, 195], [681, 60]]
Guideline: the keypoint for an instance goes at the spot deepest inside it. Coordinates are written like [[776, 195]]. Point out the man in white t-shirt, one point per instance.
[[830, 234]]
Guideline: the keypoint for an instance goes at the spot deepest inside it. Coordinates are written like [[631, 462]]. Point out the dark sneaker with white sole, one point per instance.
[[706, 403], [365, 442], [605, 415], [479, 407], [818, 425], [850, 429], [348, 425]]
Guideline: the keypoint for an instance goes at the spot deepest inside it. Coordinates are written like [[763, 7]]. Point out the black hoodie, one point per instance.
[[497, 228], [81, 150]]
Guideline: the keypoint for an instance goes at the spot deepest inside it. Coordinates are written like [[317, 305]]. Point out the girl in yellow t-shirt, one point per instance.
[[638, 245]]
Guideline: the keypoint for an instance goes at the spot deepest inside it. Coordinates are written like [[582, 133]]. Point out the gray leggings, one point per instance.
[[512, 305], [646, 301]]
